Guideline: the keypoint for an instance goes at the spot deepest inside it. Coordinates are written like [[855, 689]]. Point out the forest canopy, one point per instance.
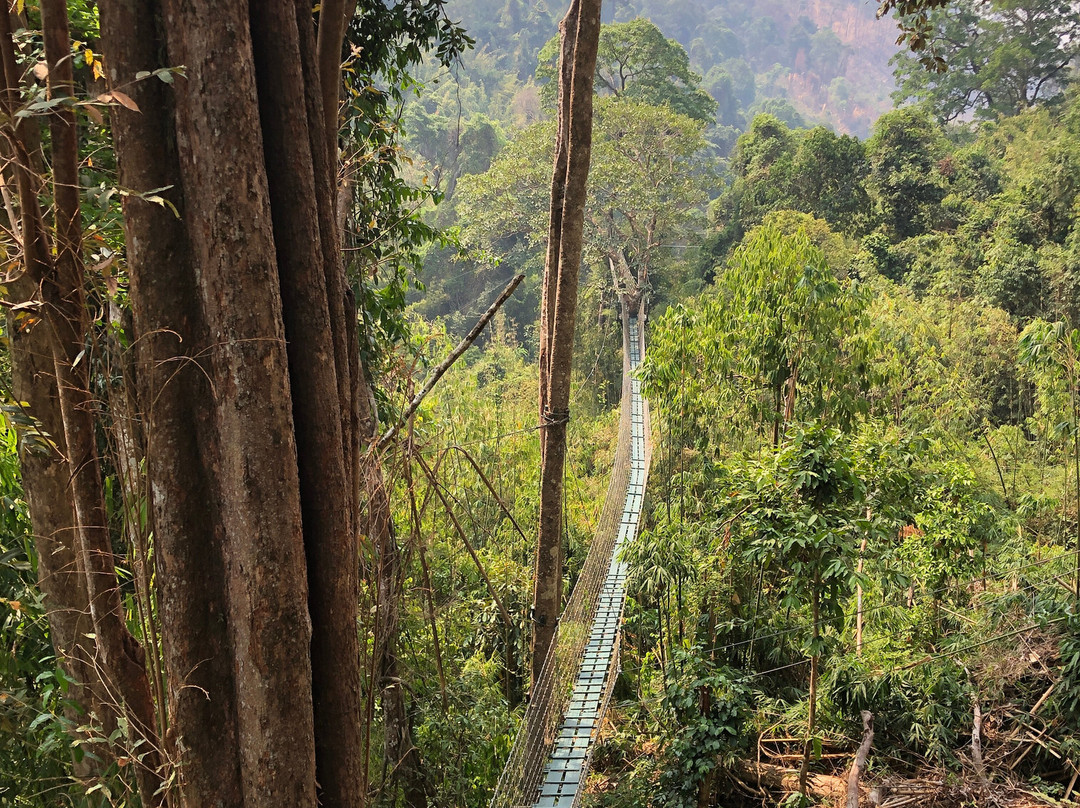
[[277, 429]]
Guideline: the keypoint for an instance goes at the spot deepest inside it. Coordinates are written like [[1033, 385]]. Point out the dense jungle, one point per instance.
[[315, 390]]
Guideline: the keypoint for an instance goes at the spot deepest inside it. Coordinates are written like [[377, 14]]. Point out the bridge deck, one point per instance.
[[564, 772]]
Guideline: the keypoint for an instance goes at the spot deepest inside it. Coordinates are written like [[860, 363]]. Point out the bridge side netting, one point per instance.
[[519, 783]]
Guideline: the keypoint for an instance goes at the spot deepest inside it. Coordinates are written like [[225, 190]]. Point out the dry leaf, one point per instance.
[[125, 100]]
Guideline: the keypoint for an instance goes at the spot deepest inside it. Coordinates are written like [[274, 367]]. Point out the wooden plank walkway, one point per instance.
[[565, 770]]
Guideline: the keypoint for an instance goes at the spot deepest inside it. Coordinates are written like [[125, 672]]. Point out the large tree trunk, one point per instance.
[[567, 221], [172, 370], [249, 370], [312, 286], [230, 226], [245, 326]]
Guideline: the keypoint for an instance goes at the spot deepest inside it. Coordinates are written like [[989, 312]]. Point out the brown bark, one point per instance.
[[118, 657], [42, 451], [332, 23], [567, 226], [250, 375], [44, 469], [822, 787], [283, 41], [568, 36], [126, 453], [172, 376], [229, 223]]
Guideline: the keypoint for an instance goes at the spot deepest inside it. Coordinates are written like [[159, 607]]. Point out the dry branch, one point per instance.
[[444, 366], [860, 760]]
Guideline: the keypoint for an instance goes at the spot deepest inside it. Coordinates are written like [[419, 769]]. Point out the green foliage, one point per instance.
[[467, 768], [1002, 57], [658, 560], [386, 236], [774, 167], [646, 188], [800, 514], [710, 707], [1067, 697], [635, 61], [1051, 352], [780, 336], [954, 524], [905, 181], [926, 708]]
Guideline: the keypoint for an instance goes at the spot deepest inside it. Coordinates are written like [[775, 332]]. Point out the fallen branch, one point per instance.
[[1072, 783], [778, 778], [1042, 699]]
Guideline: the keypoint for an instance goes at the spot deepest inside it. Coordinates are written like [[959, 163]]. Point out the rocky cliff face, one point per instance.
[[871, 43]]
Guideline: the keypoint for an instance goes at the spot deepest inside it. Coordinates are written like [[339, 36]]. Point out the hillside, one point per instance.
[[828, 59]]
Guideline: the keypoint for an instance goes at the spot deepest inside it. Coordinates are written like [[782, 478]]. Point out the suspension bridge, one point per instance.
[[550, 757]]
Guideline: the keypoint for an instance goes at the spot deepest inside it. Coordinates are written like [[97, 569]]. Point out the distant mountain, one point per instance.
[[827, 59]]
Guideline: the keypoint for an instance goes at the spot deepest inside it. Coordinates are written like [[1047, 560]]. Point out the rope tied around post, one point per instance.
[[555, 417]]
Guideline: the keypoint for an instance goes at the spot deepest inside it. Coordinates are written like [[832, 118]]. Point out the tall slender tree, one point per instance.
[[52, 265], [580, 32]]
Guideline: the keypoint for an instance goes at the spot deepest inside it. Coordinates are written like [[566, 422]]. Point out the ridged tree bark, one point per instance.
[[230, 227], [172, 373], [249, 372], [45, 472], [311, 274], [248, 367], [567, 221]]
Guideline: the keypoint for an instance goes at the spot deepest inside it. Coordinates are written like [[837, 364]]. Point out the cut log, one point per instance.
[[778, 778]]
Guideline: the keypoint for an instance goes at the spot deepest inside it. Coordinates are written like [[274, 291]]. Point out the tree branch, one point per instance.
[[450, 360]]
